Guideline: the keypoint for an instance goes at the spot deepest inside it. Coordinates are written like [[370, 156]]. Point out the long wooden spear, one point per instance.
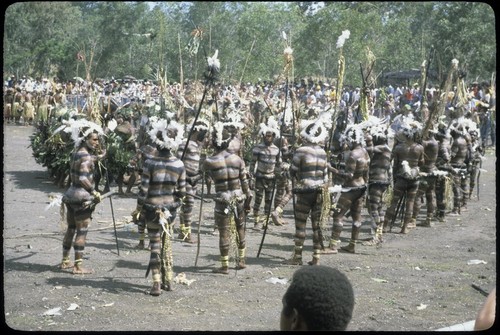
[[340, 82], [212, 70], [288, 62], [246, 61]]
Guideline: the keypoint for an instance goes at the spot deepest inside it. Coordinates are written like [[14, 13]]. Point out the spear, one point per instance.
[[340, 82], [213, 69], [199, 222], [246, 62], [288, 61], [274, 181], [112, 212], [423, 94]]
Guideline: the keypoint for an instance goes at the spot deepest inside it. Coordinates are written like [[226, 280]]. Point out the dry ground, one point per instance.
[[416, 282]]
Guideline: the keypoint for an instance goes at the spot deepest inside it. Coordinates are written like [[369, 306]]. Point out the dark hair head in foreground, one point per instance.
[[318, 298]]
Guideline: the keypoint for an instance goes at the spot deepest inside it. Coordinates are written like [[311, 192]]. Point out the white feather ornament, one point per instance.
[[213, 62], [112, 124], [271, 126], [172, 134]]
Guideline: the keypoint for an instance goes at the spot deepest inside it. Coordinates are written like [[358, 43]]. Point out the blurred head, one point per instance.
[[318, 298]]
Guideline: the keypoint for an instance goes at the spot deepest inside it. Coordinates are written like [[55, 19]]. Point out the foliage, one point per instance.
[[50, 150], [118, 153], [139, 39]]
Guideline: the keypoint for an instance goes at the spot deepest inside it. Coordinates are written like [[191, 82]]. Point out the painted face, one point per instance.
[[92, 141], [268, 138]]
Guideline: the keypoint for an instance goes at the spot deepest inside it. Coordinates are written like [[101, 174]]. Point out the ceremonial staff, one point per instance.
[[112, 210], [365, 90], [198, 243], [210, 76], [439, 109], [340, 82], [425, 74], [288, 62], [478, 175], [274, 180]]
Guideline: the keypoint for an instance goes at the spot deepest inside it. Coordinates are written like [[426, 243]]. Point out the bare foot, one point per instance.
[[329, 251], [65, 265], [156, 289], [348, 248], [223, 270], [82, 271], [314, 261], [293, 261], [276, 219], [374, 241], [167, 287]]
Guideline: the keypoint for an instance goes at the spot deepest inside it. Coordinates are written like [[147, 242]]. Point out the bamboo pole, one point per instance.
[[246, 62], [181, 73]]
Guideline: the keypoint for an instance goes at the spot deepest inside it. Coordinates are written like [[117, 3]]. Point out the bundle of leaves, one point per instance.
[[52, 150], [119, 152]]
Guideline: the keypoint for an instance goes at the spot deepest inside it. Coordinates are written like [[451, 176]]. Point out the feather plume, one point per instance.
[[172, 134], [213, 62], [80, 129], [353, 134], [342, 38], [112, 124], [218, 130], [406, 167], [56, 200], [271, 126], [316, 131]]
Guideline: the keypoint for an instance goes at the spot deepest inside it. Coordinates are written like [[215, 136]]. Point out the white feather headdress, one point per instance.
[[410, 128], [353, 134], [213, 62], [272, 126], [459, 125], [79, 129], [201, 124], [172, 134], [470, 125], [233, 118], [371, 122], [316, 131], [381, 131], [219, 134]]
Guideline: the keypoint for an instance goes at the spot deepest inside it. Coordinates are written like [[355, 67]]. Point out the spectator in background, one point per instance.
[[318, 298]]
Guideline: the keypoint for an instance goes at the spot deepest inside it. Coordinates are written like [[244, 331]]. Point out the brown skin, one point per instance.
[[294, 322], [412, 152], [356, 175], [79, 221], [229, 175], [486, 315], [379, 179]]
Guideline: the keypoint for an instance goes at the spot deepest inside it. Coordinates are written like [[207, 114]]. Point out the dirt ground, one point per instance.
[[421, 281]]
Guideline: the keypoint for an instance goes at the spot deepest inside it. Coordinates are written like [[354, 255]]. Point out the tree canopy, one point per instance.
[[141, 39]]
